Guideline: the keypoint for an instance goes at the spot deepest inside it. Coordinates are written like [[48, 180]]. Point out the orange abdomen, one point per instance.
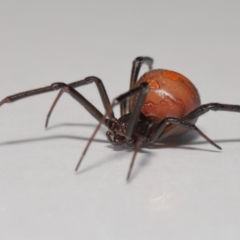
[[170, 95]]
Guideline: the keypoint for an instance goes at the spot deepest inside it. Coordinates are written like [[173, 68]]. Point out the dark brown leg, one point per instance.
[[30, 93], [136, 149], [136, 66], [123, 108], [211, 106], [56, 86], [142, 136], [177, 122], [204, 109], [88, 80], [137, 110]]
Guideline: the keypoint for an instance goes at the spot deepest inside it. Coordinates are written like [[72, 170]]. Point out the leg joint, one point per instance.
[[58, 85]]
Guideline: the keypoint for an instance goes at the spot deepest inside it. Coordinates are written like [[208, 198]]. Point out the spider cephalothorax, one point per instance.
[[118, 130], [162, 103], [117, 133]]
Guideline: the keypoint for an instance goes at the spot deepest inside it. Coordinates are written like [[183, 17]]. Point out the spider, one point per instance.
[[160, 104]]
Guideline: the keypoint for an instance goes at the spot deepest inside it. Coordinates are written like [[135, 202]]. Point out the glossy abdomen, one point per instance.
[[170, 95]]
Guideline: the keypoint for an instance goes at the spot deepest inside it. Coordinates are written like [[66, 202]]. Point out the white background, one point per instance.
[[178, 191]]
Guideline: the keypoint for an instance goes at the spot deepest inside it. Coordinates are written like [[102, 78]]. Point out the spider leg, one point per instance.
[[136, 66], [192, 116], [88, 80], [136, 149], [56, 86], [211, 106], [142, 90], [143, 132], [177, 122]]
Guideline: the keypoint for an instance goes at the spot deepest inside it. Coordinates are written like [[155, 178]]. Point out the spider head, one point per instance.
[[117, 131]]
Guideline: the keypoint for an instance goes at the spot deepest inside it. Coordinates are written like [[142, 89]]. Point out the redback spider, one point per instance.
[[160, 104]]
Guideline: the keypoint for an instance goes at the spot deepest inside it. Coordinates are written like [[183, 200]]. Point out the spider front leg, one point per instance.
[[88, 80], [136, 66], [56, 86], [159, 133]]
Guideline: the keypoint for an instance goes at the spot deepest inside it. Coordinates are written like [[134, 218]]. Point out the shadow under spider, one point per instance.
[[142, 162], [62, 136], [71, 125], [168, 143]]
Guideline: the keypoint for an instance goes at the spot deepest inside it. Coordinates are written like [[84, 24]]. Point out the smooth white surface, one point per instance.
[[188, 191]]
